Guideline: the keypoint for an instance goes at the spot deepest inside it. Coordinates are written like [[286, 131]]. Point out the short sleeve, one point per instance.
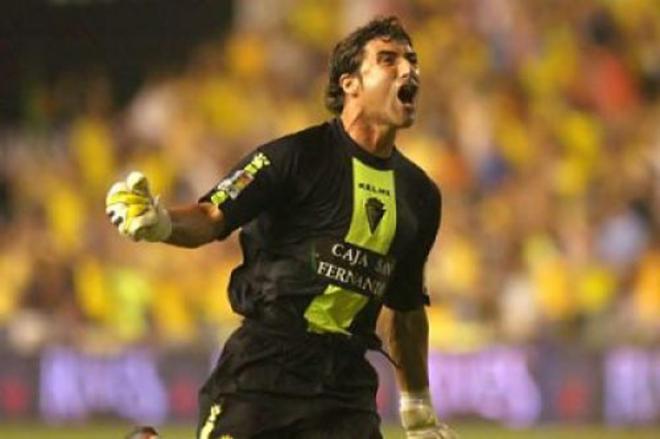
[[256, 184], [407, 290]]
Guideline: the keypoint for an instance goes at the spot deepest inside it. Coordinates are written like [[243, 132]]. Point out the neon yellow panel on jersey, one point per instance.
[[373, 225], [374, 208], [334, 310]]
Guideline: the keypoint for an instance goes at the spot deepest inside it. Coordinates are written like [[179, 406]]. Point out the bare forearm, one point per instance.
[[406, 337], [195, 225]]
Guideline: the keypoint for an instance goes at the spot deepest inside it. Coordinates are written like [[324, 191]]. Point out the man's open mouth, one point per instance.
[[407, 93]]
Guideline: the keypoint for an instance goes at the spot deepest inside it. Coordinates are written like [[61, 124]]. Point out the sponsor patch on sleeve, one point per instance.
[[232, 186]]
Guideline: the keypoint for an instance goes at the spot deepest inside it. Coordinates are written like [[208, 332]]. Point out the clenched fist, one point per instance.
[[135, 212]]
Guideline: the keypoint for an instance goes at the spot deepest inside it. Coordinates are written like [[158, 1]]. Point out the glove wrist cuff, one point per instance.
[[164, 227], [409, 399]]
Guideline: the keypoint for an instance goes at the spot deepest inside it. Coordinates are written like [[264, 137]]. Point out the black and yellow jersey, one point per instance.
[[329, 234]]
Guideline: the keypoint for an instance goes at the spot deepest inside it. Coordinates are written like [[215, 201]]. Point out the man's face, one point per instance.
[[388, 83]]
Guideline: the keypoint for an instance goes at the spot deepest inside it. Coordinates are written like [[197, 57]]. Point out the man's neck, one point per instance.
[[374, 138]]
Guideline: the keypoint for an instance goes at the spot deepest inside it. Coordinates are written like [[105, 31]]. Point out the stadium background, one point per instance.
[[539, 119]]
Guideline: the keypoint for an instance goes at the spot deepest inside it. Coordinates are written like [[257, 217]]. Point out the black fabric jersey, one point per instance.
[[329, 232]]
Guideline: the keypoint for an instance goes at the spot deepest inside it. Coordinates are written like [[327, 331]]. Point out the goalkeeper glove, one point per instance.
[[419, 419], [135, 212]]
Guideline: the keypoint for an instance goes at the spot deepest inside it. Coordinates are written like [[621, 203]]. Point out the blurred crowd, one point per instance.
[[539, 120]]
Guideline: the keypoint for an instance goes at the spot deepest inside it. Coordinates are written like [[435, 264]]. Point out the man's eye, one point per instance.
[[387, 59], [412, 58]]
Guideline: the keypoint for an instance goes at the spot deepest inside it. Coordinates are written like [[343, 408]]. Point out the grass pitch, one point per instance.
[[466, 431]]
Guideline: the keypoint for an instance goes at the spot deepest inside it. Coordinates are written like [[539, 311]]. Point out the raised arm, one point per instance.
[[260, 181], [140, 216]]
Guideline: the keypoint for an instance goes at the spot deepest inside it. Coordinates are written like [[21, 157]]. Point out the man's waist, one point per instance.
[[296, 331]]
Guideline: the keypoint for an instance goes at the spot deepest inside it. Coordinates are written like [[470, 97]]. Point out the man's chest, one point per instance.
[[366, 207]]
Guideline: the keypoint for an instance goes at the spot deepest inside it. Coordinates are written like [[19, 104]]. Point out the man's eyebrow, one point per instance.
[[411, 56], [385, 52]]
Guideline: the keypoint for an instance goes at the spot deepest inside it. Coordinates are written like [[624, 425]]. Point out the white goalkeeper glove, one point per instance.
[[135, 212], [419, 419]]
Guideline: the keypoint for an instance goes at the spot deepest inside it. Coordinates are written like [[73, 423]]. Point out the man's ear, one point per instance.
[[349, 83]]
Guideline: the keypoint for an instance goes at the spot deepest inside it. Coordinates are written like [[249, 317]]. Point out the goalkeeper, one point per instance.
[[336, 225]]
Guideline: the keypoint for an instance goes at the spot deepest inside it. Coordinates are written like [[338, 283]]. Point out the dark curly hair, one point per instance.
[[348, 54]]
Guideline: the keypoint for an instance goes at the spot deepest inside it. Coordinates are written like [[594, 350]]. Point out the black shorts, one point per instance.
[[271, 385], [269, 417]]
